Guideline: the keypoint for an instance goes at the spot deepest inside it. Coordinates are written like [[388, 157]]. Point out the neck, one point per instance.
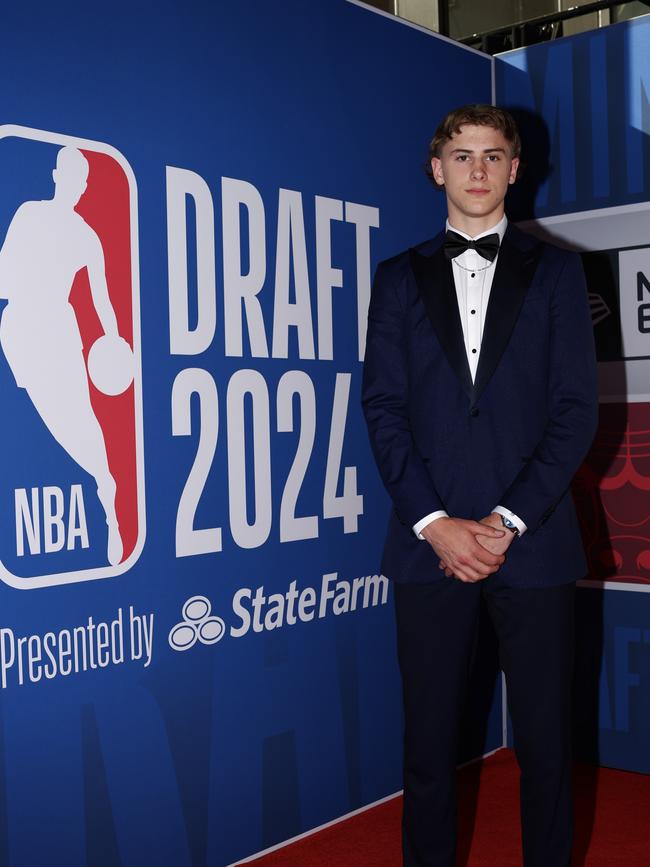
[[474, 226], [63, 201]]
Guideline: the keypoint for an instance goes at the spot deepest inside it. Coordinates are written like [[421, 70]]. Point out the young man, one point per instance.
[[480, 398]]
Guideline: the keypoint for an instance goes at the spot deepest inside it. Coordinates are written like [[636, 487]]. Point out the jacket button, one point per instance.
[[473, 412]]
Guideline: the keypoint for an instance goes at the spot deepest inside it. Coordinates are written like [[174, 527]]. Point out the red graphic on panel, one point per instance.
[[611, 491], [105, 206]]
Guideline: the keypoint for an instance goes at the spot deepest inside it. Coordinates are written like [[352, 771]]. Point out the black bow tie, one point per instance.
[[455, 244]]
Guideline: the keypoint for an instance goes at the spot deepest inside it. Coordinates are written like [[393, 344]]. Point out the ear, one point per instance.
[[514, 165], [436, 168]]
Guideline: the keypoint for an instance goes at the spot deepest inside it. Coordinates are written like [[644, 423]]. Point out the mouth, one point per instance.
[[477, 192]]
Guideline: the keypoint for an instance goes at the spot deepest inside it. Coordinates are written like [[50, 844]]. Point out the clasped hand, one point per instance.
[[469, 550]]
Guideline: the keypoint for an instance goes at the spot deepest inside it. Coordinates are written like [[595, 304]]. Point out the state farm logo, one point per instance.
[[72, 486]]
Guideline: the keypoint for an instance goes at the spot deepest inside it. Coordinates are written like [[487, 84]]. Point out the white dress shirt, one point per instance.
[[473, 277]]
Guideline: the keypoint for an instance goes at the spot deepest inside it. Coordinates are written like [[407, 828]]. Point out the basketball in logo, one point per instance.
[[110, 365]]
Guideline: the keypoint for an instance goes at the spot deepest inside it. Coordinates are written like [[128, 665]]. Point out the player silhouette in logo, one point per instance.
[[47, 243]]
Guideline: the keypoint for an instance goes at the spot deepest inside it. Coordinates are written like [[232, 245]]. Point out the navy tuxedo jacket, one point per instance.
[[515, 437]]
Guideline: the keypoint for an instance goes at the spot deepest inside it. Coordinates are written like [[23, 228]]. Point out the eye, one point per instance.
[[462, 158], [493, 158]]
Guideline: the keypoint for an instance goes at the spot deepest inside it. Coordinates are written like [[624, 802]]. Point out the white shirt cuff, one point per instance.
[[417, 528], [516, 520]]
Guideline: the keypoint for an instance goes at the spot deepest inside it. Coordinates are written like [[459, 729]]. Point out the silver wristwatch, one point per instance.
[[507, 523]]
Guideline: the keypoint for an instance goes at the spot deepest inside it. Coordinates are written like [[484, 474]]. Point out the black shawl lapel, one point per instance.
[[435, 281], [515, 268]]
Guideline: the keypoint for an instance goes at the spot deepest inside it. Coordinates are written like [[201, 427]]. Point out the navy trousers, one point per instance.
[[437, 625]]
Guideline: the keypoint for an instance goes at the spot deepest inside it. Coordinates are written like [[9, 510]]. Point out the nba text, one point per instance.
[[49, 521]]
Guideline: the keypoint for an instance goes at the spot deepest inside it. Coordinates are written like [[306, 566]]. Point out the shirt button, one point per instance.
[[472, 312], [473, 412], [473, 352]]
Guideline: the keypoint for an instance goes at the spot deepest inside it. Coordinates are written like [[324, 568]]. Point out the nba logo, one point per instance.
[[72, 480]]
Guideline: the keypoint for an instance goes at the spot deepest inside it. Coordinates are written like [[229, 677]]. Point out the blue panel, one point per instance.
[[584, 106], [237, 731]]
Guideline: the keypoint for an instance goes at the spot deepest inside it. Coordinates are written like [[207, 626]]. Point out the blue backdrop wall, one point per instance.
[[583, 107], [203, 665]]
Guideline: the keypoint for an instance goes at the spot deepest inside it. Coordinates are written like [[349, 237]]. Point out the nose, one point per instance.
[[478, 170]]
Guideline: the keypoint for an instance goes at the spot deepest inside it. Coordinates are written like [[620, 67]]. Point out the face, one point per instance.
[[70, 176], [70, 186], [476, 168]]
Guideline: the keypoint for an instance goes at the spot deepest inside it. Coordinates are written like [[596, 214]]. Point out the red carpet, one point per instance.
[[612, 817]]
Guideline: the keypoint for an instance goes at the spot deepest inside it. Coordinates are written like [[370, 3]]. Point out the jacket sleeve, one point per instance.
[[385, 404], [572, 403]]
